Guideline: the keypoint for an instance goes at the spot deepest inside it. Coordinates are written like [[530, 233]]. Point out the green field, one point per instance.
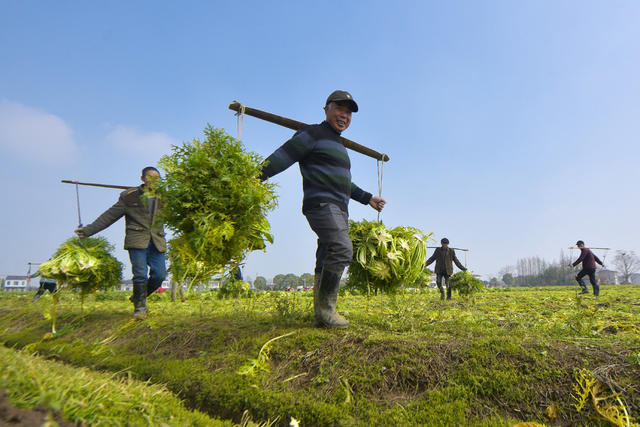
[[503, 357]]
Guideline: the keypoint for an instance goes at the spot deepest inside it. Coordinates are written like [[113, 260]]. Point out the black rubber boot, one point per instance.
[[596, 290], [152, 288], [325, 301], [448, 292], [316, 292], [582, 285], [139, 299]]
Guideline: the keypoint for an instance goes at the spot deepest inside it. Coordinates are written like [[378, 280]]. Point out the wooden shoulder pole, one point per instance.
[[122, 187], [296, 125]]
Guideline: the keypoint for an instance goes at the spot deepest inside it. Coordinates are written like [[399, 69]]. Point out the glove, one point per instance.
[[464, 269], [80, 232]]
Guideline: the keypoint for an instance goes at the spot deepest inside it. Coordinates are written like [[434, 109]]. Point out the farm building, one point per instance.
[[15, 283]]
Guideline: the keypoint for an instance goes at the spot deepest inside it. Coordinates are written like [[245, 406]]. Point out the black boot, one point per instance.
[[152, 288], [316, 292], [582, 285], [448, 292], [596, 290], [325, 301], [139, 299], [441, 293]]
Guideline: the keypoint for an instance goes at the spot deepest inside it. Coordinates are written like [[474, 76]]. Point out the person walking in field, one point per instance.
[[144, 236], [444, 257], [588, 260], [327, 187]]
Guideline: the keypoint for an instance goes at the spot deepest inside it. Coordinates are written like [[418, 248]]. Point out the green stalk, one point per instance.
[[54, 305]]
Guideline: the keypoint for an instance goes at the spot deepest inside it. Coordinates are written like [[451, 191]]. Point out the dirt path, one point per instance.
[[12, 416]]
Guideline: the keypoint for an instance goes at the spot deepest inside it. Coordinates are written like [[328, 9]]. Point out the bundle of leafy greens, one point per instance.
[[385, 259], [465, 284], [214, 204], [234, 289], [85, 265]]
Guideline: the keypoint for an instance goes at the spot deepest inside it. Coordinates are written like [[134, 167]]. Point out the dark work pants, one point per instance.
[[591, 272], [46, 286], [331, 225], [151, 257], [237, 275], [439, 277]]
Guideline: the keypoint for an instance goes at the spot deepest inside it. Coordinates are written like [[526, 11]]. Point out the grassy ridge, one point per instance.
[[92, 398], [506, 356]]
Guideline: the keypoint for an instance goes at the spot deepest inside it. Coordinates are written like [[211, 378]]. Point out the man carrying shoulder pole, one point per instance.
[[327, 186], [144, 236], [588, 260], [444, 257]]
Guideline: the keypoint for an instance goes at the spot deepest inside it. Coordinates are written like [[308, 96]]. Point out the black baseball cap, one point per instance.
[[444, 240], [579, 242], [342, 96]]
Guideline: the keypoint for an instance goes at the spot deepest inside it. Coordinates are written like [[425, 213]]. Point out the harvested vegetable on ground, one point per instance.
[[385, 259], [85, 265], [214, 204], [465, 284]]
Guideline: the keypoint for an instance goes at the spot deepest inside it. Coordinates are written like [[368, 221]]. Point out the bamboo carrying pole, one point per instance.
[[122, 187], [457, 249], [575, 247], [296, 125]]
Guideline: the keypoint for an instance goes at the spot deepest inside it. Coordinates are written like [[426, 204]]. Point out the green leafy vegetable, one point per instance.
[[85, 265], [214, 204], [234, 289], [465, 284], [385, 259]]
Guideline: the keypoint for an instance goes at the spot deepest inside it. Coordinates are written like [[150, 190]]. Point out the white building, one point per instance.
[[15, 283]]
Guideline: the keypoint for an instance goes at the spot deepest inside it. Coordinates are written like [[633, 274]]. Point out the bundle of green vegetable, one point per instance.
[[465, 284], [86, 266], [385, 259], [214, 204], [234, 289]]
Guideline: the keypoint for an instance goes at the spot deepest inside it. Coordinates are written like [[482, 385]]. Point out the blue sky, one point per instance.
[[512, 127]]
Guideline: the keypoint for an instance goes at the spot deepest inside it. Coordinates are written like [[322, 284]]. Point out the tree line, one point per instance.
[[535, 271], [281, 282]]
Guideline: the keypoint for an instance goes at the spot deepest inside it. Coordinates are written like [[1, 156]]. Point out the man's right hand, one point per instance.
[[80, 232]]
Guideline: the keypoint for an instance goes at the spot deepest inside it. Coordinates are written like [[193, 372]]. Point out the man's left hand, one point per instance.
[[377, 203]]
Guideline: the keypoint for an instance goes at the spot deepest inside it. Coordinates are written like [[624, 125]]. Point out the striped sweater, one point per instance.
[[324, 165]]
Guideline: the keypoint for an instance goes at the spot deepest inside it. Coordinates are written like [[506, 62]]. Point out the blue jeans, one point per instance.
[[140, 259]]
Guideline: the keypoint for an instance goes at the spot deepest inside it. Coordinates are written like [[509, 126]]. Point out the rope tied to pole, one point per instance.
[[239, 118], [380, 166], [79, 218], [78, 205]]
